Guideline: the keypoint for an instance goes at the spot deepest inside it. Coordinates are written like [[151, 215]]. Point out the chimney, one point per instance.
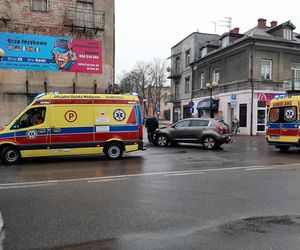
[[273, 24], [262, 23], [235, 31]]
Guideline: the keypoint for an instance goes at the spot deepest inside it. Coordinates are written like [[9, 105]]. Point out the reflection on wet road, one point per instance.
[[244, 196], [182, 157]]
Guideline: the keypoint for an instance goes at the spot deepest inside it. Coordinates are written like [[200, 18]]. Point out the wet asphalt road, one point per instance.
[[244, 196]]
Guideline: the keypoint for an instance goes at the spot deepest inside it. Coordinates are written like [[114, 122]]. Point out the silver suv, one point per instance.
[[209, 132]]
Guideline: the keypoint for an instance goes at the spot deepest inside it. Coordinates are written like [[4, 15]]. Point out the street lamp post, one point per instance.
[[210, 87]]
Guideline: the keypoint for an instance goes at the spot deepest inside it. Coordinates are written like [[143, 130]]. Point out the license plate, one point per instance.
[[274, 137]]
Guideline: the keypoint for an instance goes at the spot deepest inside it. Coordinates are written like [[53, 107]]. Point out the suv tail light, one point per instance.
[[221, 128], [140, 132]]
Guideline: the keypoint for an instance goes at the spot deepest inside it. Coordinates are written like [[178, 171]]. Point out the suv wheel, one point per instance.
[[162, 140], [209, 142]]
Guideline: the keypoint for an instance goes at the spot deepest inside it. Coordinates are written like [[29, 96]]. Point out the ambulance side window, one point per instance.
[[32, 117]]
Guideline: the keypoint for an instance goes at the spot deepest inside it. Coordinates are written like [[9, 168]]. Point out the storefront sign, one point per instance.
[[35, 52], [267, 97], [205, 104]]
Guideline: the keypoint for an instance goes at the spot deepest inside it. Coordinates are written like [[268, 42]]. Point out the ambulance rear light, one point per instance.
[[141, 132]]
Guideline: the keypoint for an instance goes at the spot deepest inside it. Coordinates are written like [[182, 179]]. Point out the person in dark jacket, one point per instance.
[[151, 125]]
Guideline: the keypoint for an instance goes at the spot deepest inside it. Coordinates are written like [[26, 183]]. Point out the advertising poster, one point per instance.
[[35, 52]]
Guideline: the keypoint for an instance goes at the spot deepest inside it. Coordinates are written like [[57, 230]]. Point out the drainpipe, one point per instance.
[[252, 86]]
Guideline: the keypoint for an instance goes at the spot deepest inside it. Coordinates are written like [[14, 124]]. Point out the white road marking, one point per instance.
[[54, 182], [27, 186], [266, 168], [182, 174], [106, 180]]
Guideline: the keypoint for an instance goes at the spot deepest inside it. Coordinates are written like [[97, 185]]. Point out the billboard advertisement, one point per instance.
[[36, 52]]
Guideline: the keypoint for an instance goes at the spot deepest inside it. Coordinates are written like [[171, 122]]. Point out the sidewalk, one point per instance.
[[255, 138], [250, 138]]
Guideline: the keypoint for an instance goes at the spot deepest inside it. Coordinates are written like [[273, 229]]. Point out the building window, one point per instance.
[[287, 34], [187, 85], [216, 75], [85, 13], [176, 90], [296, 72], [39, 5], [225, 41], [202, 81], [204, 52], [187, 57], [243, 115], [266, 69], [177, 62]]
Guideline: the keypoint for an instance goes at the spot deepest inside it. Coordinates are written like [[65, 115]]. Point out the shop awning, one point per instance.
[[205, 104]]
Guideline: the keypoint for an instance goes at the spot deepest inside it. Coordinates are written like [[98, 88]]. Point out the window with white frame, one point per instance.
[[39, 5], [187, 85], [225, 41], [187, 57], [216, 75], [287, 34], [204, 52], [266, 69], [202, 81], [296, 73]]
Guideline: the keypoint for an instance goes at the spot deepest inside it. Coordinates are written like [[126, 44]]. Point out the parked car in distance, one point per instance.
[[208, 132]]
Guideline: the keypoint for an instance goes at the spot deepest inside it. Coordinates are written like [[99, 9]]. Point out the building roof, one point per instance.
[[213, 36]]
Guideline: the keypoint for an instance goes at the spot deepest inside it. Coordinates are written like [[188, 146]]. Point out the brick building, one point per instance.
[[81, 19]]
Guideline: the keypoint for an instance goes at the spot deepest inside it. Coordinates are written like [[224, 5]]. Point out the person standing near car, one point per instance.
[[151, 125], [235, 125]]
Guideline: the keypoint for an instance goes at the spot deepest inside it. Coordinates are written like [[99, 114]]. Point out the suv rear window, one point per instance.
[[283, 114], [199, 123]]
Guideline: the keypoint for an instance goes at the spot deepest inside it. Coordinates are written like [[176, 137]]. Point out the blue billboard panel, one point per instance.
[[36, 52]]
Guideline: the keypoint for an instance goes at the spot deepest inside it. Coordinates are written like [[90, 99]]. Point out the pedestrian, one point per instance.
[[235, 125], [151, 125]]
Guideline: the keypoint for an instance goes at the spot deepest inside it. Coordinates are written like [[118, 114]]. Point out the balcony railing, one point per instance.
[[292, 85], [174, 98], [81, 19], [174, 73]]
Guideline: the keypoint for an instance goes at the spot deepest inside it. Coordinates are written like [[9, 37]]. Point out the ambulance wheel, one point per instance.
[[10, 155], [113, 151], [282, 148]]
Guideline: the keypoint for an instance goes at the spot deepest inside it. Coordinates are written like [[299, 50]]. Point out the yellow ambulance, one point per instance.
[[284, 123], [74, 124]]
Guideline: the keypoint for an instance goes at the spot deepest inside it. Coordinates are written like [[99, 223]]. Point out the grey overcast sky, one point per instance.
[[149, 28]]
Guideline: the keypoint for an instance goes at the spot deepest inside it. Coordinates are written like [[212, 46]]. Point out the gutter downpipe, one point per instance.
[[252, 86]]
